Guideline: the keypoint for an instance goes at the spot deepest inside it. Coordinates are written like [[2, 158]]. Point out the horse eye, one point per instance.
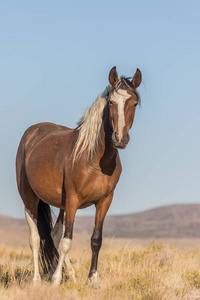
[[135, 105], [110, 102]]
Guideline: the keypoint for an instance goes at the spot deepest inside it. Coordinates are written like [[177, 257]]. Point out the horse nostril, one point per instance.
[[126, 138], [116, 136]]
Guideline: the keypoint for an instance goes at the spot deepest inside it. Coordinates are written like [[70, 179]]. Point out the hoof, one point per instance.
[[72, 276], [55, 281], [93, 281], [74, 280], [36, 281]]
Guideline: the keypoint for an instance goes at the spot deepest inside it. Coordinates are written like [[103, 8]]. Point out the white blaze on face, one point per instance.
[[120, 98]]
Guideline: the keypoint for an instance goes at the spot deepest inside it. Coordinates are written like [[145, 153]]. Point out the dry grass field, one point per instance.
[[128, 269]]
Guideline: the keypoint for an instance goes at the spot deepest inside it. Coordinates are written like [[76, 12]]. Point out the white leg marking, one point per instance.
[[56, 234], [34, 244], [63, 249]]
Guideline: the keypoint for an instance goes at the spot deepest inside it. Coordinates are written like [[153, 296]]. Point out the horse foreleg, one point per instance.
[[65, 244], [96, 239], [57, 234]]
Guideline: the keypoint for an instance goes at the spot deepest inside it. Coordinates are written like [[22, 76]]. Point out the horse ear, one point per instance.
[[113, 77], [137, 78]]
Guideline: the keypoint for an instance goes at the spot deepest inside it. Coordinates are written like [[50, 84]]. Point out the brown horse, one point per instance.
[[72, 169]]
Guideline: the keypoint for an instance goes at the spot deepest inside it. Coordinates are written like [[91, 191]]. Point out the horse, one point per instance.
[[72, 169]]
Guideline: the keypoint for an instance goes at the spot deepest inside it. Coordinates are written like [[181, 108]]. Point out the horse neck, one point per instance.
[[105, 152]]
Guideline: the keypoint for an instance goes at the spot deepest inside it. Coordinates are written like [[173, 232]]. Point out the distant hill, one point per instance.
[[173, 221]]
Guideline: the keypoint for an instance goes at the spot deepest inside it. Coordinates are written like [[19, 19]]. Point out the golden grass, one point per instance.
[[156, 271]]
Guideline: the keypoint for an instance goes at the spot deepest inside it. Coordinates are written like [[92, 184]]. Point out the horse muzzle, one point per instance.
[[120, 144]]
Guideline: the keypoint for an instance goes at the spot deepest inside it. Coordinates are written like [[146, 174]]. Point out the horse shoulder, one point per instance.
[[90, 183]]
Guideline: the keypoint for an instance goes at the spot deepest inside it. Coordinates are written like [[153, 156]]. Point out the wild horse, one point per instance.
[[73, 169]]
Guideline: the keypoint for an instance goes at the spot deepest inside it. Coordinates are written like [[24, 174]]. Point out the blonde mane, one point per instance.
[[89, 127]]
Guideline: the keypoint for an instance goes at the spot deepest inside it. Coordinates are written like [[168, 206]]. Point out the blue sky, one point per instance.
[[55, 57]]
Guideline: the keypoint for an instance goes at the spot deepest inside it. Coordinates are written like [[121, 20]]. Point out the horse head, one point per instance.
[[123, 100]]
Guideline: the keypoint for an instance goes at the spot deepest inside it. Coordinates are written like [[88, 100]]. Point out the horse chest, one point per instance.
[[95, 190], [95, 186]]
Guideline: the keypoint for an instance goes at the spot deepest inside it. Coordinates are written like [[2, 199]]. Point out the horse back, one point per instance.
[[37, 132]]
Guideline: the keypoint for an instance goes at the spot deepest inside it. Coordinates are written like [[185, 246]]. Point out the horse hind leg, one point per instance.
[[31, 217], [57, 234], [31, 205], [70, 269]]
